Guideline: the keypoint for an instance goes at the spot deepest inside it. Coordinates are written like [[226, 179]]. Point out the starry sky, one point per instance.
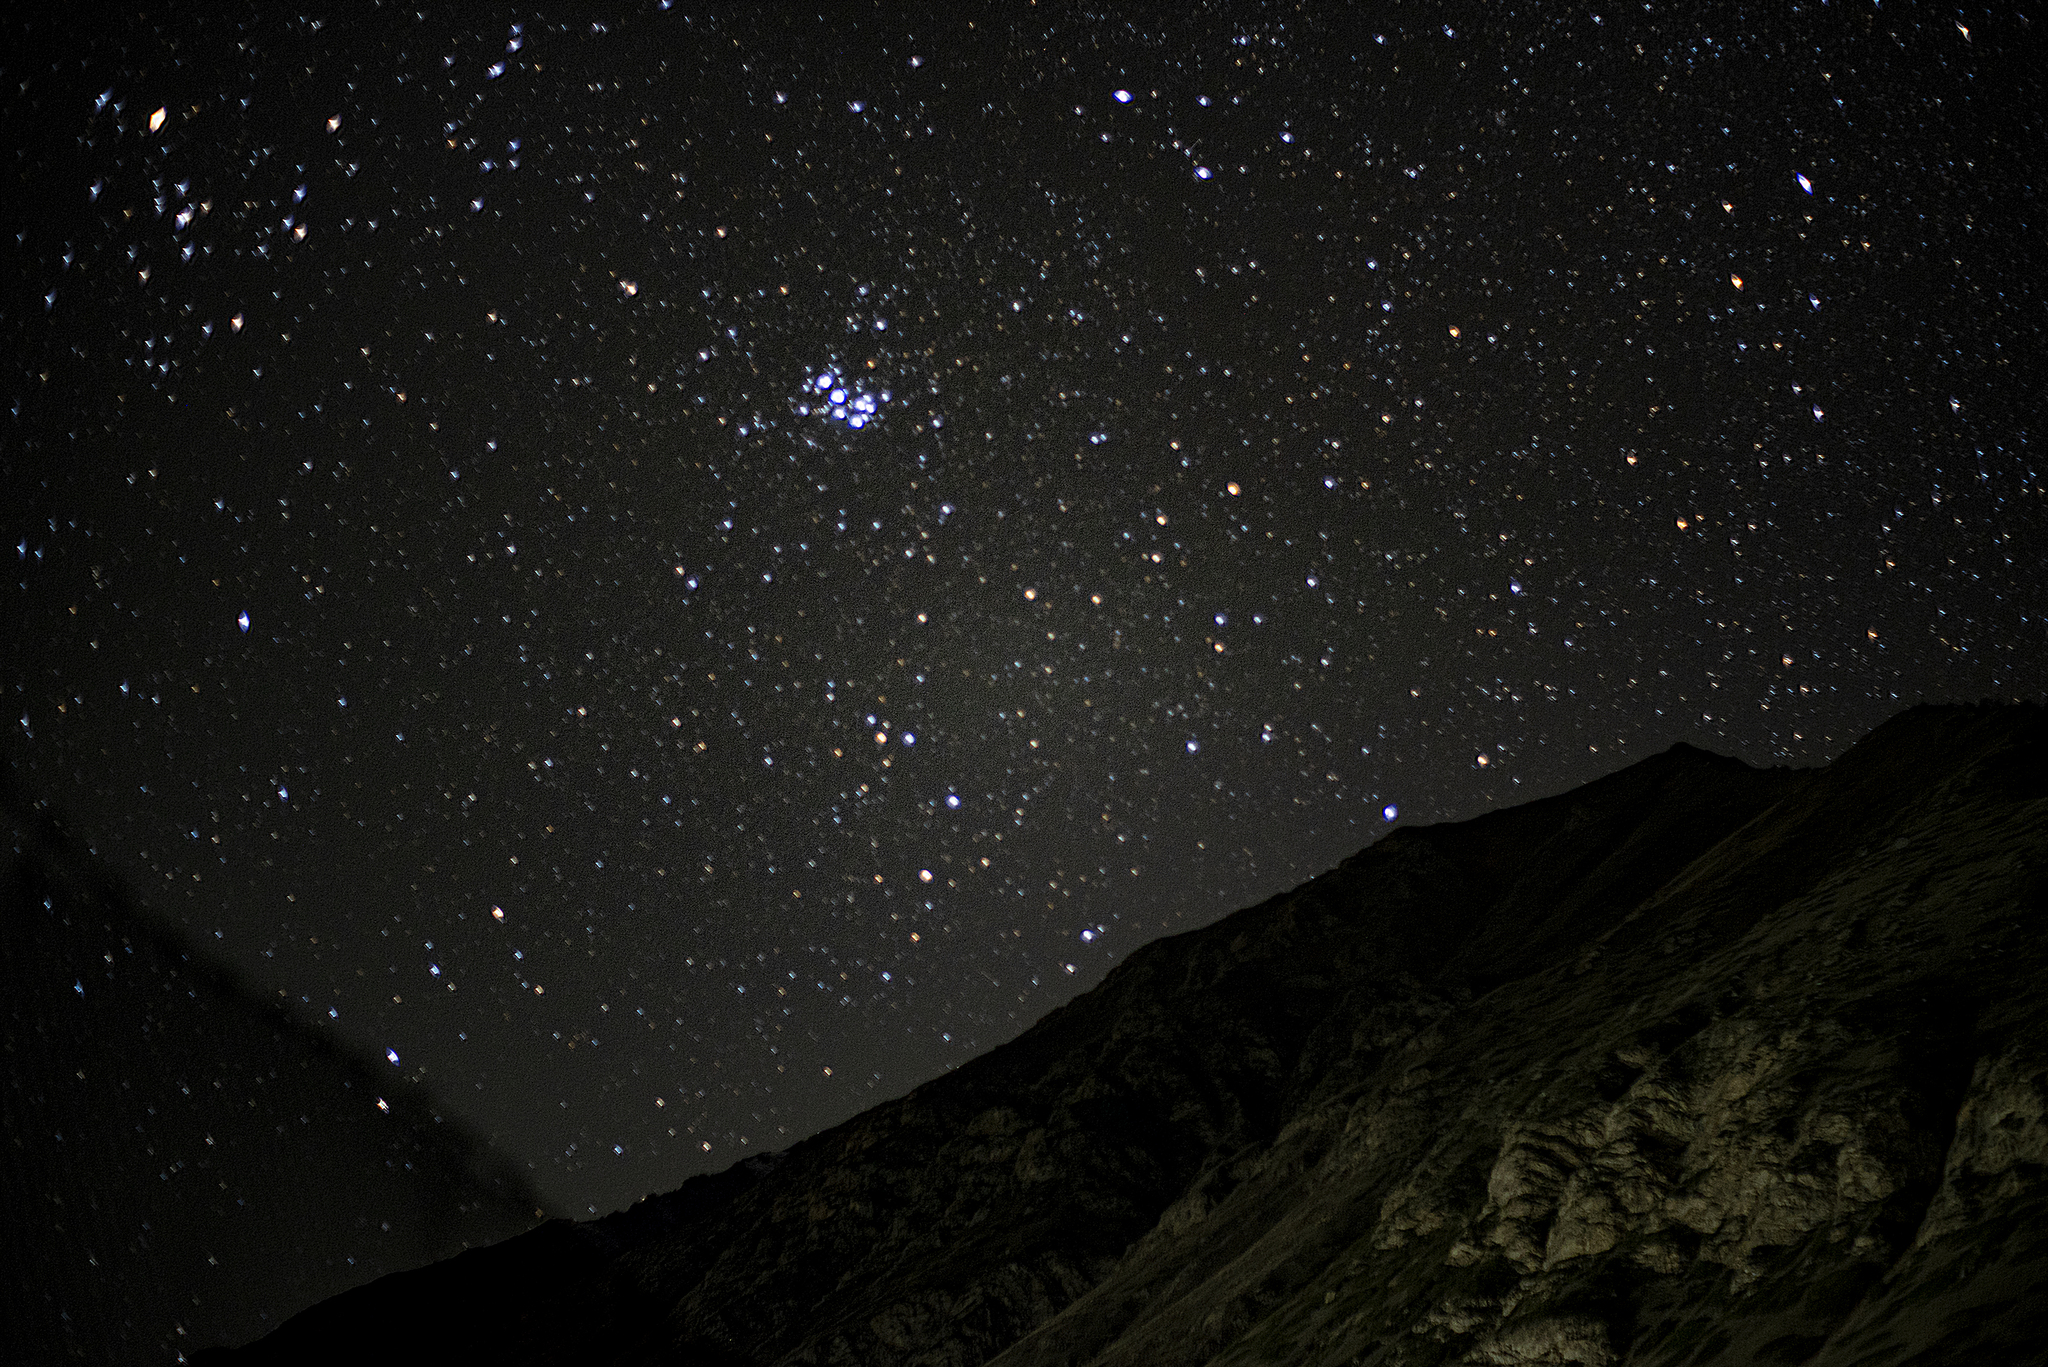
[[671, 578]]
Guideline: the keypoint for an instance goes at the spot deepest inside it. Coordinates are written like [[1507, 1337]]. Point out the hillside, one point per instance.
[[180, 1155], [1694, 1064]]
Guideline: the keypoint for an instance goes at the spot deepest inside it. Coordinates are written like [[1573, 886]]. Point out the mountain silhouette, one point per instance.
[[1695, 1064], [185, 1160]]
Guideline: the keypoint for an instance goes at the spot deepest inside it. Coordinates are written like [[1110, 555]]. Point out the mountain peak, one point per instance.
[[1698, 1063]]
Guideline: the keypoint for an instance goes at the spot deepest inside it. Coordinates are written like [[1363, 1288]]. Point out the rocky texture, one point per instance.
[[1695, 1065]]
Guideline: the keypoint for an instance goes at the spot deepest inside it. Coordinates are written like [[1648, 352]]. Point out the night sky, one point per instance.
[[683, 575]]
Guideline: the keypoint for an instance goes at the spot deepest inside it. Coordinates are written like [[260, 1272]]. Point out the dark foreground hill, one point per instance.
[[179, 1158], [1696, 1064]]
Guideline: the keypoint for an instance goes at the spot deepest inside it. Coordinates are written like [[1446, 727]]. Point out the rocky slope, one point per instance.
[[1696, 1064]]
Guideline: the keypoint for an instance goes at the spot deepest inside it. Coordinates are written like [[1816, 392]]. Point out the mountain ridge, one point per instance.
[[186, 1156], [1606, 1077]]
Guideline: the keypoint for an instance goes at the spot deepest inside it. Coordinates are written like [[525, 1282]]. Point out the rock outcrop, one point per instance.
[[1697, 1064]]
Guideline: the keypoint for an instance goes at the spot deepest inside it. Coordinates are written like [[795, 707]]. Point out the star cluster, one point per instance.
[[672, 577]]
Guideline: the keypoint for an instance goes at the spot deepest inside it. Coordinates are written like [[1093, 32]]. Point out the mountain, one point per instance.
[[180, 1157], [1697, 1064]]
